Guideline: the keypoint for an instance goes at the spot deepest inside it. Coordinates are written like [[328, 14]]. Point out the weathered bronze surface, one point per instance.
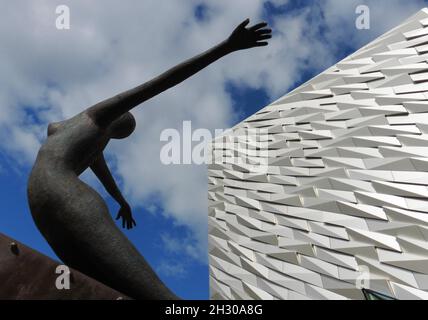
[[71, 215]]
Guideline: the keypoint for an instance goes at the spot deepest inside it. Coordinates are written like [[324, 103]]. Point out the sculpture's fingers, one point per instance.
[[261, 44], [267, 36], [244, 23], [258, 26], [263, 31]]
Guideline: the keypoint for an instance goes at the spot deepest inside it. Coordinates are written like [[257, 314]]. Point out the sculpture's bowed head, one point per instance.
[[122, 127]]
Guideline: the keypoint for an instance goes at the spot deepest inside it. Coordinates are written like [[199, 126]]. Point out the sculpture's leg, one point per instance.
[[83, 234]]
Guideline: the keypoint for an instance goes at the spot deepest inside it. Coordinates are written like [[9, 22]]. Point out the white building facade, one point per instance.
[[324, 192]]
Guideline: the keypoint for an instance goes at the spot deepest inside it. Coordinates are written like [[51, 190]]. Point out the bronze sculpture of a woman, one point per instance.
[[71, 215]]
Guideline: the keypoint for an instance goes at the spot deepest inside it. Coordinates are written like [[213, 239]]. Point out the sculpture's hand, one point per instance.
[[245, 38], [126, 215]]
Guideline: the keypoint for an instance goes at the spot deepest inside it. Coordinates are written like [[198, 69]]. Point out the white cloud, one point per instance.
[[339, 19], [179, 246], [174, 269], [114, 45]]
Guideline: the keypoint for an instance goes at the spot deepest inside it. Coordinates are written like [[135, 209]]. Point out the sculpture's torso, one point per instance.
[[70, 148], [74, 218], [73, 144]]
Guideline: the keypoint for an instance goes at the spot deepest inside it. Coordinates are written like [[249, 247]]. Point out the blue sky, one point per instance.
[[169, 202]]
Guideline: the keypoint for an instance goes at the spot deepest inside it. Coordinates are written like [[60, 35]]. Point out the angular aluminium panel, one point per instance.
[[325, 191]]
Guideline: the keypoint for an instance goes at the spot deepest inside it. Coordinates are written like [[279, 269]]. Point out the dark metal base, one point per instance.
[[26, 274]]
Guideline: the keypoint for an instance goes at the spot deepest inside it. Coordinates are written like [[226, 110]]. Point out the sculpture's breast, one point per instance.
[[73, 143], [53, 128]]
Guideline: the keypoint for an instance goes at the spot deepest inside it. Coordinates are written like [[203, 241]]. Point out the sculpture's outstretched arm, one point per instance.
[[101, 170], [241, 38]]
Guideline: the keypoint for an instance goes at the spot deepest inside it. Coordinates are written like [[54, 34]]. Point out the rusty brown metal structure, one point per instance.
[[26, 274]]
